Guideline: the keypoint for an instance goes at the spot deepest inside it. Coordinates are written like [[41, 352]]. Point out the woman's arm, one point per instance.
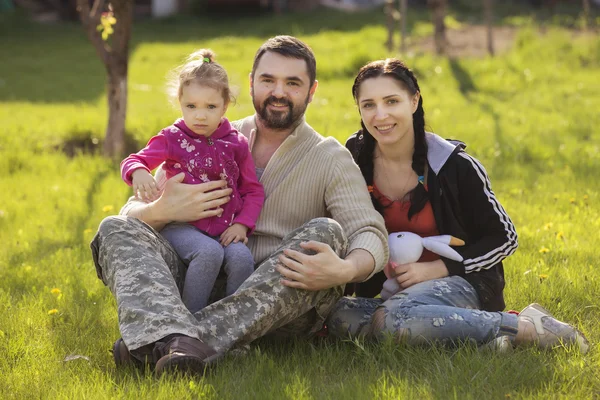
[[492, 235]]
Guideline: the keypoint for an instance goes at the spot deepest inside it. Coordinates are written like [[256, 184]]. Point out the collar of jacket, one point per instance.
[[439, 150], [223, 130]]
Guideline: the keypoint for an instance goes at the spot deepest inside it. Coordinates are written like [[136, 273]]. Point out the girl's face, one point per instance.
[[386, 109], [202, 108]]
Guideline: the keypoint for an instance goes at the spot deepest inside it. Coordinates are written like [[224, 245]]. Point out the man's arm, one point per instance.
[[180, 202], [349, 203]]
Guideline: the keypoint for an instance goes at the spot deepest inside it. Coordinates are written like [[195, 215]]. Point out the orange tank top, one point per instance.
[[395, 215]]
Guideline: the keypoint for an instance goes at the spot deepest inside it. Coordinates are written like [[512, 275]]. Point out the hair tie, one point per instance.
[[422, 180], [206, 60]]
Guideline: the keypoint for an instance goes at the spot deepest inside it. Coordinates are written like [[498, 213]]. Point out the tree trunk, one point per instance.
[[114, 54], [403, 21], [116, 93], [586, 14], [438, 13], [389, 14], [489, 20]]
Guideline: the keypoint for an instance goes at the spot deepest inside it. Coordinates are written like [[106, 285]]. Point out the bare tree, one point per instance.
[[438, 13], [488, 7], [390, 10], [114, 53], [403, 20], [395, 17], [586, 14]]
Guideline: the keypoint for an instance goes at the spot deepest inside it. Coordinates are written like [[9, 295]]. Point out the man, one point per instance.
[[303, 258]]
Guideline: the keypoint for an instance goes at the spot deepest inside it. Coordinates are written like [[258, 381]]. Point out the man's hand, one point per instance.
[[181, 202], [322, 270], [235, 233], [144, 185], [413, 273]]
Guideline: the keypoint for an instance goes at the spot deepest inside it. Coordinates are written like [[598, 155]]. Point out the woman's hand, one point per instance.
[[322, 270], [413, 273]]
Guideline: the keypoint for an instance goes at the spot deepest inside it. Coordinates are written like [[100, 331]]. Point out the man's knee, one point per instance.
[[112, 223], [329, 231]]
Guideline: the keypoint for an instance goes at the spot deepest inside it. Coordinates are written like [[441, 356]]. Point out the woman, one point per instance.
[[424, 184]]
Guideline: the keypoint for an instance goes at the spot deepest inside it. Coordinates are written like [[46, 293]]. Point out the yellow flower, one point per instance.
[[542, 276], [107, 208], [585, 197], [572, 200], [52, 312], [548, 226], [55, 291], [544, 250], [560, 235]]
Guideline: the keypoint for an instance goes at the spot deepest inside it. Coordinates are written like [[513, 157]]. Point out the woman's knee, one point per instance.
[[390, 321]]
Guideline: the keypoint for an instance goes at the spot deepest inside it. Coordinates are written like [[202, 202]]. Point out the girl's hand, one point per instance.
[[144, 185], [235, 233], [413, 273]]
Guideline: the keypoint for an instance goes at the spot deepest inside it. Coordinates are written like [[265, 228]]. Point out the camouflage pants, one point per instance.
[[146, 277]]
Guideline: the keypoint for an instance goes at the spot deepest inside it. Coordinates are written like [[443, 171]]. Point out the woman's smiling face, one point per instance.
[[387, 108]]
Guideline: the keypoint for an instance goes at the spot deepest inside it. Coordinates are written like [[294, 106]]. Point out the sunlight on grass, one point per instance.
[[530, 115]]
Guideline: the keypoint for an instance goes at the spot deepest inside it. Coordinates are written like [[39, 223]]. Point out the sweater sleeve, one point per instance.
[[150, 157], [250, 189], [492, 235], [349, 203]]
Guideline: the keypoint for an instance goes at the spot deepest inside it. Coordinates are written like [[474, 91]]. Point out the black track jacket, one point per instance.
[[465, 207]]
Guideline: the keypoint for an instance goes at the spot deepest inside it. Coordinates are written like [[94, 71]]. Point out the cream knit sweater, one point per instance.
[[308, 177]]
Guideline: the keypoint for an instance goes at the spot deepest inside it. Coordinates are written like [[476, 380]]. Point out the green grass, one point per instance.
[[531, 116]]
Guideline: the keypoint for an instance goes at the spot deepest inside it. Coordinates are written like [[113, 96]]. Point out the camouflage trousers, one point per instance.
[[146, 277]]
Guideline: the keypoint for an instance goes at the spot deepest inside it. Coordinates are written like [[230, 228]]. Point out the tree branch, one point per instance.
[[90, 20]]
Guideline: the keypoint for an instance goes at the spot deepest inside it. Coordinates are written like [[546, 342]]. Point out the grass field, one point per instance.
[[530, 115]]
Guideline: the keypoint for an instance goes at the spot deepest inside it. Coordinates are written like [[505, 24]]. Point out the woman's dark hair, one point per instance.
[[365, 142]]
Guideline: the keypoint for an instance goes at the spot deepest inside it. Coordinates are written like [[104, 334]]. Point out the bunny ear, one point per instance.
[[441, 248], [447, 239]]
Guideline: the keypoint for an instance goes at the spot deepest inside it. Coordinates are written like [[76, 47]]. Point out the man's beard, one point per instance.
[[279, 120]]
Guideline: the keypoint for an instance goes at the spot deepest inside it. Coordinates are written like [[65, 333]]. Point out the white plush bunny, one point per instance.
[[407, 247]]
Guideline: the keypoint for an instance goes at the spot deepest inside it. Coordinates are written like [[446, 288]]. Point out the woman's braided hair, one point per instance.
[[395, 69]]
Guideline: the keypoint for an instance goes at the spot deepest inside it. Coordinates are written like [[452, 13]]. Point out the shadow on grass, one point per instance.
[[345, 369], [511, 156]]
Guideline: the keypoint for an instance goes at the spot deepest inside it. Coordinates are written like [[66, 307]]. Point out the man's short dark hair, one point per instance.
[[291, 47]]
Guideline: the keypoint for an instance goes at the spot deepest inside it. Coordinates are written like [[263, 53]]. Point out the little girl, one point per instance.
[[205, 147]]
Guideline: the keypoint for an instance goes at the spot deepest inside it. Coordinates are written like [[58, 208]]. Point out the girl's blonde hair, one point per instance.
[[202, 69]]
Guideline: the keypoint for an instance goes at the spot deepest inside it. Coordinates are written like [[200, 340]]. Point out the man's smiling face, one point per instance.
[[281, 90]]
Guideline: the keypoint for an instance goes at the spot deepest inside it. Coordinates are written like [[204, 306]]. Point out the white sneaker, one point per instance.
[[552, 332]]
